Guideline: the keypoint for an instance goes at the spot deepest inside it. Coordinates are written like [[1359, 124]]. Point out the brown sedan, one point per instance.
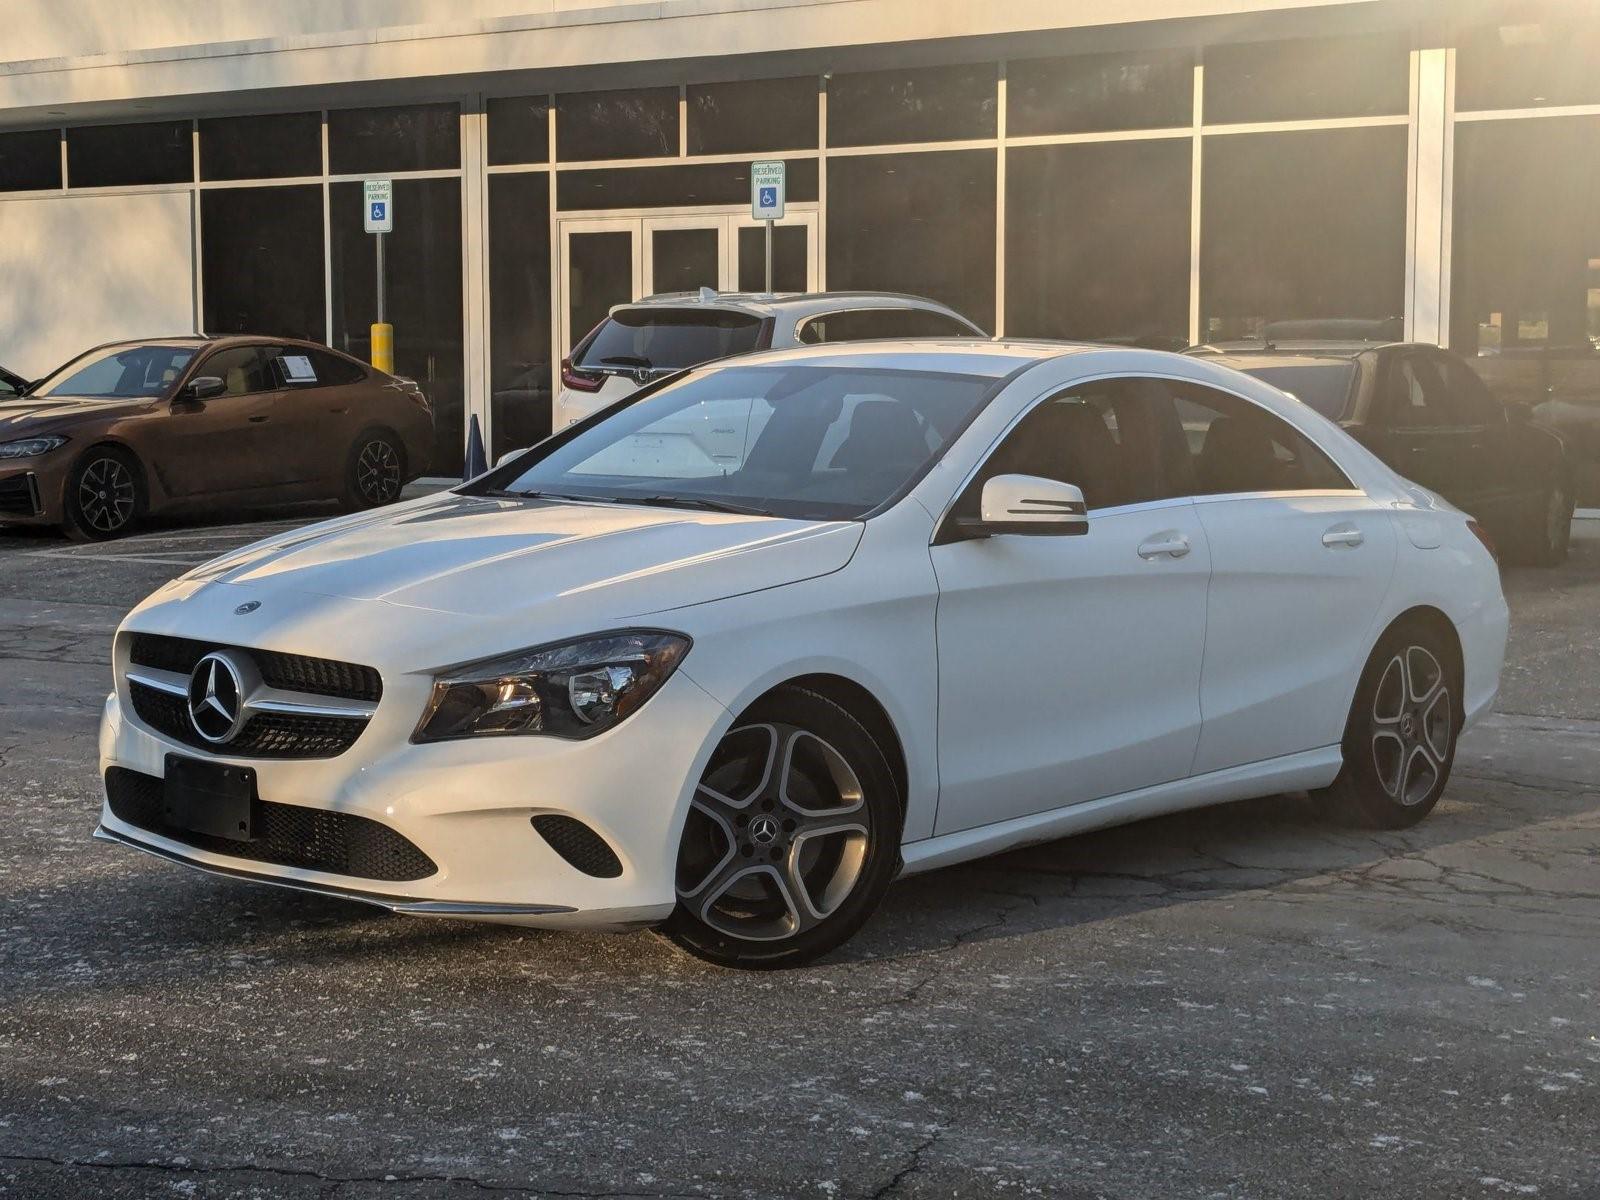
[[140, 427]]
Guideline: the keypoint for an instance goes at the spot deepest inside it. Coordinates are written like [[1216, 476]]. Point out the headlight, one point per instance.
[[28, 447], [570, 689]]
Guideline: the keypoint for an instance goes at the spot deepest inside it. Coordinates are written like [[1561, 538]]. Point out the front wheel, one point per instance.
[[105, 495], [375, 472], [792, 838], [1400, 741]]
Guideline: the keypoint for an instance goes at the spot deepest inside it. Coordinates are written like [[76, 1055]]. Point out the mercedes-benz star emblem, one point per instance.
[[764, 830], [216, 698], [248, 607]]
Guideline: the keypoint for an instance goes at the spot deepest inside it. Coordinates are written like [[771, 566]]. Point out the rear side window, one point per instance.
[[872, 324], [668, 339], [1415, 396], [1231, 445]]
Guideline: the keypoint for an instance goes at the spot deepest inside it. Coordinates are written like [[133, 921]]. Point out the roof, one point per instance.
[[962, 356], [797, 304], [1241, 361], [1307, 348]]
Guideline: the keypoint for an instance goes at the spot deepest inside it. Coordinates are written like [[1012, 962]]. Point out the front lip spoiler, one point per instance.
[[399, 904]]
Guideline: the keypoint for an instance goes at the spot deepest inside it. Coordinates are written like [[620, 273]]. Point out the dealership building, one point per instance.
[[1161, 171]]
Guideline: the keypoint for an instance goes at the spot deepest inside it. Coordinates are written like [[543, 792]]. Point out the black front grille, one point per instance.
[[581, 846], [19, 496], [290, 672], [287, 835], [265, 735]]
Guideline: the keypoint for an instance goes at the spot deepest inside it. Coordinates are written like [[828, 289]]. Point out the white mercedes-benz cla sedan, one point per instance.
[[727, 658]]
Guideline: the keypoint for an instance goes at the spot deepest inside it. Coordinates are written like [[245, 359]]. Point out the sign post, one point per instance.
[[767, 193], [377, 217]]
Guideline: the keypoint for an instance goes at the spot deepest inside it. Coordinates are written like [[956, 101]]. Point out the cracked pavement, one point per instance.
[[1251, 1001]]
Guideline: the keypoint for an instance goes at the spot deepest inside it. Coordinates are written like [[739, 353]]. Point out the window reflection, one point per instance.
[[1091, 93], [261, 261], [519, 310], [927, 104]]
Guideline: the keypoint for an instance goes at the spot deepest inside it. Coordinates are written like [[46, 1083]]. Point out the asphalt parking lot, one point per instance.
[[1248, 1001]]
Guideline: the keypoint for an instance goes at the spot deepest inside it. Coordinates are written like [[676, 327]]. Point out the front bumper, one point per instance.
[[468, 806]]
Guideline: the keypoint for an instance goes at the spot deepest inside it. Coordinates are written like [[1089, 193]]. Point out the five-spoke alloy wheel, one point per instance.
[[791, 838]]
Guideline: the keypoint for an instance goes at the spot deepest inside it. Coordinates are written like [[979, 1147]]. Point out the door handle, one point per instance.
[[259, 420], [1169, 545], [1343, 535]]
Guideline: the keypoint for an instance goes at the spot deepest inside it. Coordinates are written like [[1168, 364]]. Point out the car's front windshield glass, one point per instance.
[[124, 372], [1324, 387], [812, 442]]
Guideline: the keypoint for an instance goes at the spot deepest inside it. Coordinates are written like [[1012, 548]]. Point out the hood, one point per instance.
[[29, 416], [508, 558]]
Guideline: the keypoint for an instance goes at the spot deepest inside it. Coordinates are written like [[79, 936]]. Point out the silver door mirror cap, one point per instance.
[[508, 456], [1030, 504]]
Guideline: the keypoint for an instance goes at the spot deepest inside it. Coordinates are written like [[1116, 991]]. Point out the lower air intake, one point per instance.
[[581, 846]]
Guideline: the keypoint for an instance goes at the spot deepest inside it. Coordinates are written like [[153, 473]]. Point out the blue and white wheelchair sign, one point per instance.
[[767, 191]]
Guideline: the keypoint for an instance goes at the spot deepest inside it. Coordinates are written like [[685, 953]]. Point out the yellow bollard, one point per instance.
[[383, 347]]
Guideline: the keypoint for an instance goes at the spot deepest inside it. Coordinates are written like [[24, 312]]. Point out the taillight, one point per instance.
[[1482, 535], [579, 380]]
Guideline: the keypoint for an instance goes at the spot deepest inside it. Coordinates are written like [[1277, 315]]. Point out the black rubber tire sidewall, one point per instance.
[[353, 498], [1544, 551], [74, 524], [1357, 793], [816, 713]]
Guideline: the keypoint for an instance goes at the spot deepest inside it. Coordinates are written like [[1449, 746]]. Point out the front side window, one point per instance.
[[124, 372], [243, 370], [643, 339], [1415, 396], [807, 442], [871, 324]]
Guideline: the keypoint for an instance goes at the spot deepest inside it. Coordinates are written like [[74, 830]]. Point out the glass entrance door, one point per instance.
[[794, 253], [599, 270]]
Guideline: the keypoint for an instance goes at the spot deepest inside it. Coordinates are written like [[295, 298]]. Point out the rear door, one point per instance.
[[1424, 430], [310, 429], [1518, 462]]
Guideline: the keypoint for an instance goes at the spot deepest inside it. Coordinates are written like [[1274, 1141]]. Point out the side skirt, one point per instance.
[[1290, 773]]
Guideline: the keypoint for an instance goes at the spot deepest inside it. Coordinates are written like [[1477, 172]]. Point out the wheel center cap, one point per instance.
[[1408, 725], [764, 830]]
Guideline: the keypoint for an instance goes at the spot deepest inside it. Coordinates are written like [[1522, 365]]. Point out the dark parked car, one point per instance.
[[1426, 413], [139, 427]]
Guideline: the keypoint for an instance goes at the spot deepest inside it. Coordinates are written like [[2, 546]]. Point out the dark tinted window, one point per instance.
[[519, 129], [1097, 241], [270, 147], [678, 185], [753, 116], [668, 338], [121, 371], [1476, 402], [1090, 93], [1231, 445], [1301, 80], [1325, 387], [1547, 60], [244, 370], [867, 324], [519, 310], [328, 370], [30, 161], [125, 155], [920, 223], [1299, 225], [1413, 395], [928, 104], [789, 258], [261, 261], [642, 123], [421, 137]]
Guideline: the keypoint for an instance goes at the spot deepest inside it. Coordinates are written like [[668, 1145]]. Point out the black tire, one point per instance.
[[1548, 531], [1400, 740], [105, 494], [758, 832], [375, 470]]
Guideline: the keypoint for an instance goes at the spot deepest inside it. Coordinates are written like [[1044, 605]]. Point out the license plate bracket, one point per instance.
[[211, 798]]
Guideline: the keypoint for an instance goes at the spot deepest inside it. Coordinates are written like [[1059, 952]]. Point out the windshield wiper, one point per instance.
[[628, 360], [507, 494], [701, 502]]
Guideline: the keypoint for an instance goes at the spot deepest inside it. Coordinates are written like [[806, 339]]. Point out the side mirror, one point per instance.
[[508, 456], [202, 387], [1029, 505]]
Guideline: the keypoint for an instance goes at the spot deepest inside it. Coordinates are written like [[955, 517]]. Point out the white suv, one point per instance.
[[662, 334]]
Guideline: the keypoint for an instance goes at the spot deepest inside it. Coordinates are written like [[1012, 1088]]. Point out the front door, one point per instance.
[[215, 446]]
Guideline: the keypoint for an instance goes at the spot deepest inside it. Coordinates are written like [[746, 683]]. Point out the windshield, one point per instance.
[[667, 339], [810, 442], [1324, 387], [123, 372]]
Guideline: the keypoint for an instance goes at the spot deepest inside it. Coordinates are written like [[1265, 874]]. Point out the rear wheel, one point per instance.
[[792, 838], [1400, 741], [376, 470], [1549, 528], [105, 494]]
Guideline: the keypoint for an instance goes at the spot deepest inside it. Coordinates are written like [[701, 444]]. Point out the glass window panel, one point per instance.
[[684, 260], [677, 186], [870, 324], [1525, 273], [519, 130], [127, 155], [921, 223], [1092, 93], [1364, 76], [789, 257], [519, 310], [1097, 242], [242, 369], [599, 276], [641, 123], [927, 104], [30, 161], [279, 146], [423, 296], [753, 116], [420, 137], [1531, 64], [1299, 225], [261, 261], [1235, 446]]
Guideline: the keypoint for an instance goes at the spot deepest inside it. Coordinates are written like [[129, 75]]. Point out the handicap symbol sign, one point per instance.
[[377, 211], [769, 197]]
